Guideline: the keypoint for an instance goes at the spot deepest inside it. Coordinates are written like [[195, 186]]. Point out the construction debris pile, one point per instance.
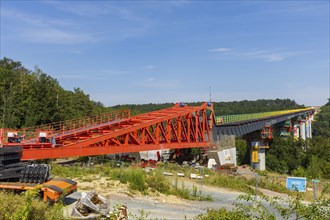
[[94, 206]]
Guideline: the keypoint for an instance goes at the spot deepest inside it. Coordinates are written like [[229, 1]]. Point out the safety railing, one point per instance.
[[63, 127], [225, 119]]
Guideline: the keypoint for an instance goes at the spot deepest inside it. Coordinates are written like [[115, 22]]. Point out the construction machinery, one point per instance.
[[17, 175]]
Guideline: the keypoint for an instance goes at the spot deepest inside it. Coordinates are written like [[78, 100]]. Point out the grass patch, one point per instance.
[[136, 178], [28, 205], [139, 180], [271, 183], [230, 182]]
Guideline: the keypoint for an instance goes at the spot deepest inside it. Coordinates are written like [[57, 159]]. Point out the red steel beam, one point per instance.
[[171, 128], [52, 153]]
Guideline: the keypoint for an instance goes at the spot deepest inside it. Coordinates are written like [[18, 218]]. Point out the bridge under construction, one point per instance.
[[180, 126]]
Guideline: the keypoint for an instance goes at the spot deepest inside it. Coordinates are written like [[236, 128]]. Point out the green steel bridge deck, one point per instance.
[[228, 119]]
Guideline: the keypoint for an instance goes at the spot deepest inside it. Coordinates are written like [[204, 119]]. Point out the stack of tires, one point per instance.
[[10, 163], [35, 173], [12, 169]]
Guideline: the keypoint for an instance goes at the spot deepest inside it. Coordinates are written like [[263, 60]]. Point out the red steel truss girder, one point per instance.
[[48, 153], [172, 128]]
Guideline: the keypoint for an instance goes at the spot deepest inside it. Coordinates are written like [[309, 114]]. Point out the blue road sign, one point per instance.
[[296, 184]]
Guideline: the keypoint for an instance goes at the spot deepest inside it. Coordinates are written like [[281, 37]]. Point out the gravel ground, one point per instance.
[[166, 207], [160, 206]]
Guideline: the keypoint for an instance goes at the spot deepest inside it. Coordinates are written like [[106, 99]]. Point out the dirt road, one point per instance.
[[163, 206]]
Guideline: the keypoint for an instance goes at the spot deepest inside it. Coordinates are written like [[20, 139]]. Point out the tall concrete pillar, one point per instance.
[[262, 160], [298, 131], [302, 130], [258, 155], [295, 131], [254, 155], [310, 127], [307, 128]]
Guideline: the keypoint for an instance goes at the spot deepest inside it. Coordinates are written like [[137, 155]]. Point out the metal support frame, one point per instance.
[[171, 128]]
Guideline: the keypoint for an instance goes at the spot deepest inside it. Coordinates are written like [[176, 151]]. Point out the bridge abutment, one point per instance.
[[224, 149]]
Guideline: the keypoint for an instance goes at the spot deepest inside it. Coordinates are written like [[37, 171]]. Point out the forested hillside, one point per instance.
[[310, 158], [31, 98], [225, 108], [322, 122]]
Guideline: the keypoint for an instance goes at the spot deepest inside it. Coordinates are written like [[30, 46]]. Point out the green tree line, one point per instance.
[[223, 108], [309, 158], [30, 98]]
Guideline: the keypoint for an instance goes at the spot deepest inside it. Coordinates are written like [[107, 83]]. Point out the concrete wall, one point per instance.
[[225, 149]]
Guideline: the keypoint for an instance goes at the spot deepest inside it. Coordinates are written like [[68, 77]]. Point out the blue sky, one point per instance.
[[124, 52]]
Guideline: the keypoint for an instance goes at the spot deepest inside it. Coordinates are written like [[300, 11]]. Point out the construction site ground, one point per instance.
[[158, 205]]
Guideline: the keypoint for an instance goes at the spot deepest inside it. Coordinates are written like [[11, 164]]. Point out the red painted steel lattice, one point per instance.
[[171, 128]]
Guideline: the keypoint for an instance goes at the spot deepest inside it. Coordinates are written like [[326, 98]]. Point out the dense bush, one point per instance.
[[266, 208], [243, 152], [285, 155], [321, 126], [310, 158], [221, 214]]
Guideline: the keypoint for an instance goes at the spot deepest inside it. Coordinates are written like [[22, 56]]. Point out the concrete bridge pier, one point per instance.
[[302, 129], [296, 130], [308, 127], [258, 154]]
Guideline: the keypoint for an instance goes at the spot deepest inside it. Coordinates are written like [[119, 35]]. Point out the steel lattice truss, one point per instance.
[[171, 128]]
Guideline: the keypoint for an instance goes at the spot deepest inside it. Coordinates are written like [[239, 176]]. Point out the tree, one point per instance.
[[321, 126], [243, 153], [30, 98], [285, 154]]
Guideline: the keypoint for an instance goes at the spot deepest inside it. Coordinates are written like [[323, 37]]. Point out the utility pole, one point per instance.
[[256, 174], [314, 187], [201, 174]]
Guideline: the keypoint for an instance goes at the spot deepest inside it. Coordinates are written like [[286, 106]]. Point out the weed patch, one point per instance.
[[27, 206]]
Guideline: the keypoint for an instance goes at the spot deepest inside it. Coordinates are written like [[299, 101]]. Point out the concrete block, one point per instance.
[[193, 176]]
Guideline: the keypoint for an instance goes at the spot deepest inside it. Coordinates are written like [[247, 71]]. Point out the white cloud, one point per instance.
[[81, 9], [275, 55], [75, 51], [55, 36], [221, 49], [102, 74], [150, 67], [268, 56], [39, 29]]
